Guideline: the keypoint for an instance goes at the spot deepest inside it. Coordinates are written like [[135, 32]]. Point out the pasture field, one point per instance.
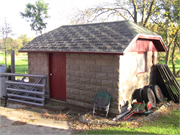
[[21, 62]]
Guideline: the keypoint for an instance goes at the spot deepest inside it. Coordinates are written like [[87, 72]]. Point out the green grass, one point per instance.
[[21, 62], [178, 80], [164, 125], [177, 62]]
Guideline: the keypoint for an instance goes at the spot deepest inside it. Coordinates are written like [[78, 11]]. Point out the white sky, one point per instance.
[[60, 12]]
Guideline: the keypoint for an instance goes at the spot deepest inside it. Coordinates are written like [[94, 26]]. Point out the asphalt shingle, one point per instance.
[[110, 37]]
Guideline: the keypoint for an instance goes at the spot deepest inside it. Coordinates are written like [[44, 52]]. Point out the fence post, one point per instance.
[[12, 65]]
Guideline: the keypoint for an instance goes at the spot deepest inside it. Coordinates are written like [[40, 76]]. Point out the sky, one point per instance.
[[60, 12]]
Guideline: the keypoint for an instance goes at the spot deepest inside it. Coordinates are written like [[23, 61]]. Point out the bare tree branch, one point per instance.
[[149, 12], [135, 11], [127, 9], [143, 12], [112, 10]]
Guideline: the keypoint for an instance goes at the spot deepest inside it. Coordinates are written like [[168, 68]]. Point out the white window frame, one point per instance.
[[141, 62]]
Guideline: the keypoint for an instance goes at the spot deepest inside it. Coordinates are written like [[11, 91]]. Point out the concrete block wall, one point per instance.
[[129, 78], [38, 64], [86, 74]]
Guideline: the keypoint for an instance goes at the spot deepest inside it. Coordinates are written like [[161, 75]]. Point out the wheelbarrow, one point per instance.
[[138, 107]]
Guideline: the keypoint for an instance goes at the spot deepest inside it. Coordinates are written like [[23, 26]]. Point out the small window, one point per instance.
[[141, 62]]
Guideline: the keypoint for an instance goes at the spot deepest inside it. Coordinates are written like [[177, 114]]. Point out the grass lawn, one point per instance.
[[164, 125], [21, 62], [177, 66], [178, 80]]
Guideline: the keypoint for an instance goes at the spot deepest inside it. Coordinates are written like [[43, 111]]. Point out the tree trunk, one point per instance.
[[5, 57], [169, 49], [150, 11], [143, 13], [167, 42], [173, 60], [12, 65], [168, 55], [5, 53], [174, 49], [135, 11]]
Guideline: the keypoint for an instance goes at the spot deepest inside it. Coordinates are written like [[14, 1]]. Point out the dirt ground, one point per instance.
[[135, 120], [73, 117]]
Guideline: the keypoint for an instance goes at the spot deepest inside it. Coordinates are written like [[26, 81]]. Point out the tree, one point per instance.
[[8, 42], [168, 12], [6, 31], [160, 16], [14, 44], [36, 14], [1, 44], [166, 23], [138, 11], [25, 39]]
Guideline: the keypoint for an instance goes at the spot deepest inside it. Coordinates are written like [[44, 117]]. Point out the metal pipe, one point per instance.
[[27, 84], [26, 75], [32, 103], [25, 91], [31, 98]]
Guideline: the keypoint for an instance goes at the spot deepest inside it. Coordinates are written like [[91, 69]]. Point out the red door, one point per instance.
[[57, 75]]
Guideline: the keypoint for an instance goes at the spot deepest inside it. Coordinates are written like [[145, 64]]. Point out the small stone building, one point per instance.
[[80, 60]]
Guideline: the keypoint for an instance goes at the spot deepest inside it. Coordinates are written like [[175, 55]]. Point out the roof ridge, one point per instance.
[[138, 27], [93, 23]]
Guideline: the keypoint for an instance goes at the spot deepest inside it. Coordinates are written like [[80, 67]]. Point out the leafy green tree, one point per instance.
[[36, 14], [169, 12], [16, 44], [1, 44], [165, 22], [25, 39], [5, 31], [12, 44], [8, 41]]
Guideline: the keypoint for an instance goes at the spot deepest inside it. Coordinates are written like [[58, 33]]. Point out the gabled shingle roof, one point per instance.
[[110, 37]]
